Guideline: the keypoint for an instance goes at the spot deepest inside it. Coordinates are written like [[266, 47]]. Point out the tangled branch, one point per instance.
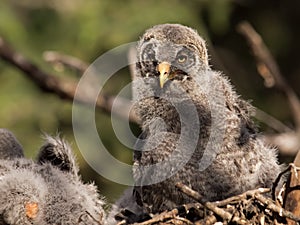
[[250, 207]]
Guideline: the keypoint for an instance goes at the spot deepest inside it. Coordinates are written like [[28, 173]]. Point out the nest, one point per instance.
[[251, 207]]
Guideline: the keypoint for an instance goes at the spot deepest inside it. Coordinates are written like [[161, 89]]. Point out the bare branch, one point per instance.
[[62, 88], [257, 194], [269, 70], [244, 195], [277, 181], [292, 194], [169, 214], [287, 142], [58, 59], [271, 121], [209, 205], [272, 206], [132, 55]]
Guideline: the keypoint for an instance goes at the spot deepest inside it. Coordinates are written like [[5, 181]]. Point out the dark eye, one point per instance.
[[182, 58]]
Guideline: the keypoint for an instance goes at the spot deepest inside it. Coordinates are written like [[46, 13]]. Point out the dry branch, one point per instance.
[[271, 122], [269, 69], [272, 206], [244, 195], [209, 205], [58, 59], [256, 194], [289, 141], [175, 213], [292, 195], [250, 207], [62, 88]]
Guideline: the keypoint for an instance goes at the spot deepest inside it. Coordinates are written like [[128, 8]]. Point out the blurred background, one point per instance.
[[88, 28]]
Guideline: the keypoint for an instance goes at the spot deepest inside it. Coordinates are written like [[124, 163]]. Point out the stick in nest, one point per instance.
[[257, 194]]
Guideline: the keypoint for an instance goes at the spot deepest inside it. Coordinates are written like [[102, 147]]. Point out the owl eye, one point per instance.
[[182, 58]]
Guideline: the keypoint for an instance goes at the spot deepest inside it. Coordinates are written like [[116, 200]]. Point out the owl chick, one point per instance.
[[48, 191], [196, 129]]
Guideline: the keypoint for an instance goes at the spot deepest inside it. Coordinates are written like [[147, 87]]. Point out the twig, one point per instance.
[[292, 194], [180, 220], [209, 205], [244, 195], [132, 54], [90, 215], [64, 89], [123, 222], [271, 121], [160, 217], [58, 59], [282, 212], [214, 207], [269, 69], [208, 220], [277, 180], [190, 192], [170, 214], [287, 142]]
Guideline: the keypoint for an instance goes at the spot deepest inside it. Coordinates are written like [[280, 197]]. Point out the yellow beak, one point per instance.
[[164, 70]]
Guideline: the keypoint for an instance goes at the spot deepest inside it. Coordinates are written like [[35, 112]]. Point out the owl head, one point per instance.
[[171, 52]]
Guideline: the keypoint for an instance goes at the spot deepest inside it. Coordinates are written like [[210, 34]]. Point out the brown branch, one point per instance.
[[244, 195], [132, 56], [62, 88], [209, 205], [209, 220], [89, 214], [269, 69], [257, 194], [58, 59], [287, 142], [278, 179], [270, 121], [272, 206], [173, 214], [292, 193]]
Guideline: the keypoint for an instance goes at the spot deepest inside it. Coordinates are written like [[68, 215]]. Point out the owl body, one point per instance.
[[196, 129], [59, 198], [46, 191]]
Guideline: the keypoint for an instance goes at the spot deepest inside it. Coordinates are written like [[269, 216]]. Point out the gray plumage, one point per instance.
[[48, 191], [57, 152], [125, 208], [9, 146], [240, 160]]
